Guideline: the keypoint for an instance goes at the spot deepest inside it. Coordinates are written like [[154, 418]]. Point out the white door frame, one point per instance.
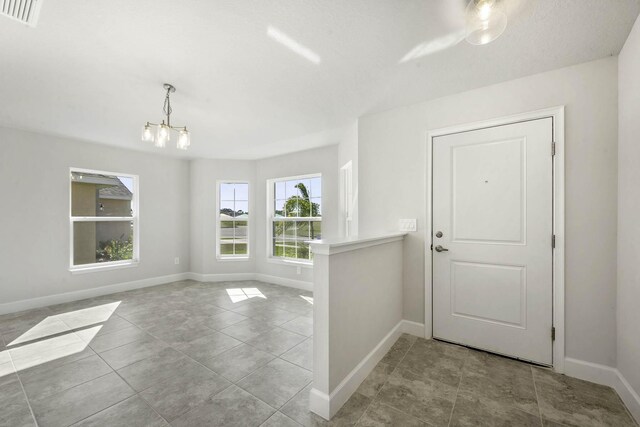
[[557, 114]]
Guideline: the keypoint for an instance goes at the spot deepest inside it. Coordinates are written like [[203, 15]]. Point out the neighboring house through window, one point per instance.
[[295, 216], [233, 220], [104, 219]]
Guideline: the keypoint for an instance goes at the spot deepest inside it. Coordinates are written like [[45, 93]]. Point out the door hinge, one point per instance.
[[553, 333], [553, 241], [432, 246], [553, 148]]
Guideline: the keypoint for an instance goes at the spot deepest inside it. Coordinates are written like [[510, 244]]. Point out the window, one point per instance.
[[295, 214], [103, 219], [233, 220]]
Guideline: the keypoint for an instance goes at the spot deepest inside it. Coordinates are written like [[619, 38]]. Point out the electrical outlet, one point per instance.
[[298, 270], [177, 260], [408, 224]]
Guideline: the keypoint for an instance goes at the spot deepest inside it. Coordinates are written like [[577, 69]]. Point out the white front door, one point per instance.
[[492, 239]]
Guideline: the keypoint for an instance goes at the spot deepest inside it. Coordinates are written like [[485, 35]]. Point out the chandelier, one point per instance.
[[163, 130]]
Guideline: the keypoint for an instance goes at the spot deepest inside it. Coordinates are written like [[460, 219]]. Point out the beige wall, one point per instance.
[[34, 177], [392, 168], [629, 211]]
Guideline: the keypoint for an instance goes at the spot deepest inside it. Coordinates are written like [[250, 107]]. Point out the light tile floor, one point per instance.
[[185, 353], [240, 353]]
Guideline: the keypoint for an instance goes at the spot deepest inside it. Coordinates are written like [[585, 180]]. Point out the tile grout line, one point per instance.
[[285, 403], [136, 393], [535, 388], [373, 399], [458, 388], [24, 392]]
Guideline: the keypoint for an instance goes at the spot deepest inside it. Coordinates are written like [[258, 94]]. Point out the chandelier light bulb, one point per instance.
[[147, 133], [184, 139], [486, 20], [162, 136]]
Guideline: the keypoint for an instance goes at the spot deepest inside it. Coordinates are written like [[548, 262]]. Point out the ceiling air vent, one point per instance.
[[25, 11]]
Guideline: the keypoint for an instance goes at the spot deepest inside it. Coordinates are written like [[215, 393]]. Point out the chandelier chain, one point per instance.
[[167, 107]]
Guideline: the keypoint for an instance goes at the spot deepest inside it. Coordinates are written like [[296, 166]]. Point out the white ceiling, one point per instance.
[[94, 69]]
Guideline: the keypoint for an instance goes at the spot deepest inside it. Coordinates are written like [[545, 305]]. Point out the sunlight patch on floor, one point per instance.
[[48, 350], [243, 294], [55, 337], [65, 322]]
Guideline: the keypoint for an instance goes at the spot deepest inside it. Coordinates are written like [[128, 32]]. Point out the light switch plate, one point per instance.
[[408, 224]]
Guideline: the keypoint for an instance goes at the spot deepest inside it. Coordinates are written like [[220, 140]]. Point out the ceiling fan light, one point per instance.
[[486, 20]]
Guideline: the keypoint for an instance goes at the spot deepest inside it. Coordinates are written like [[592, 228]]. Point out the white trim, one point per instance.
[[229, 277], [233, 277], [557, 114], [629, 396], [242, 257], [102, 218], [346, 198], [413, 328], [28, 304], [235, 258], [103, 266], [327, 405], [336, 246], [290, 262], [605, 375], [290, 283]]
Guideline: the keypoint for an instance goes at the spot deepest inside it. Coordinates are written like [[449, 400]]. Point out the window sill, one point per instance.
[[233, 258], [105, 267], [290, 263]]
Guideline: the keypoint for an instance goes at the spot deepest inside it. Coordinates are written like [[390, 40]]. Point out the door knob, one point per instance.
[[440, 249]]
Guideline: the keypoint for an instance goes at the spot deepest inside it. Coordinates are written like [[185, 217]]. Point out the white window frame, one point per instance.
[[102, 266], [271, 218], [241, 257]]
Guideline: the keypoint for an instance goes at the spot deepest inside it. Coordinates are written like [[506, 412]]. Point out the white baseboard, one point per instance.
[[27, 304], [291, 283], [413, 328], [327, 405], [605, 375], [229, 277]]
